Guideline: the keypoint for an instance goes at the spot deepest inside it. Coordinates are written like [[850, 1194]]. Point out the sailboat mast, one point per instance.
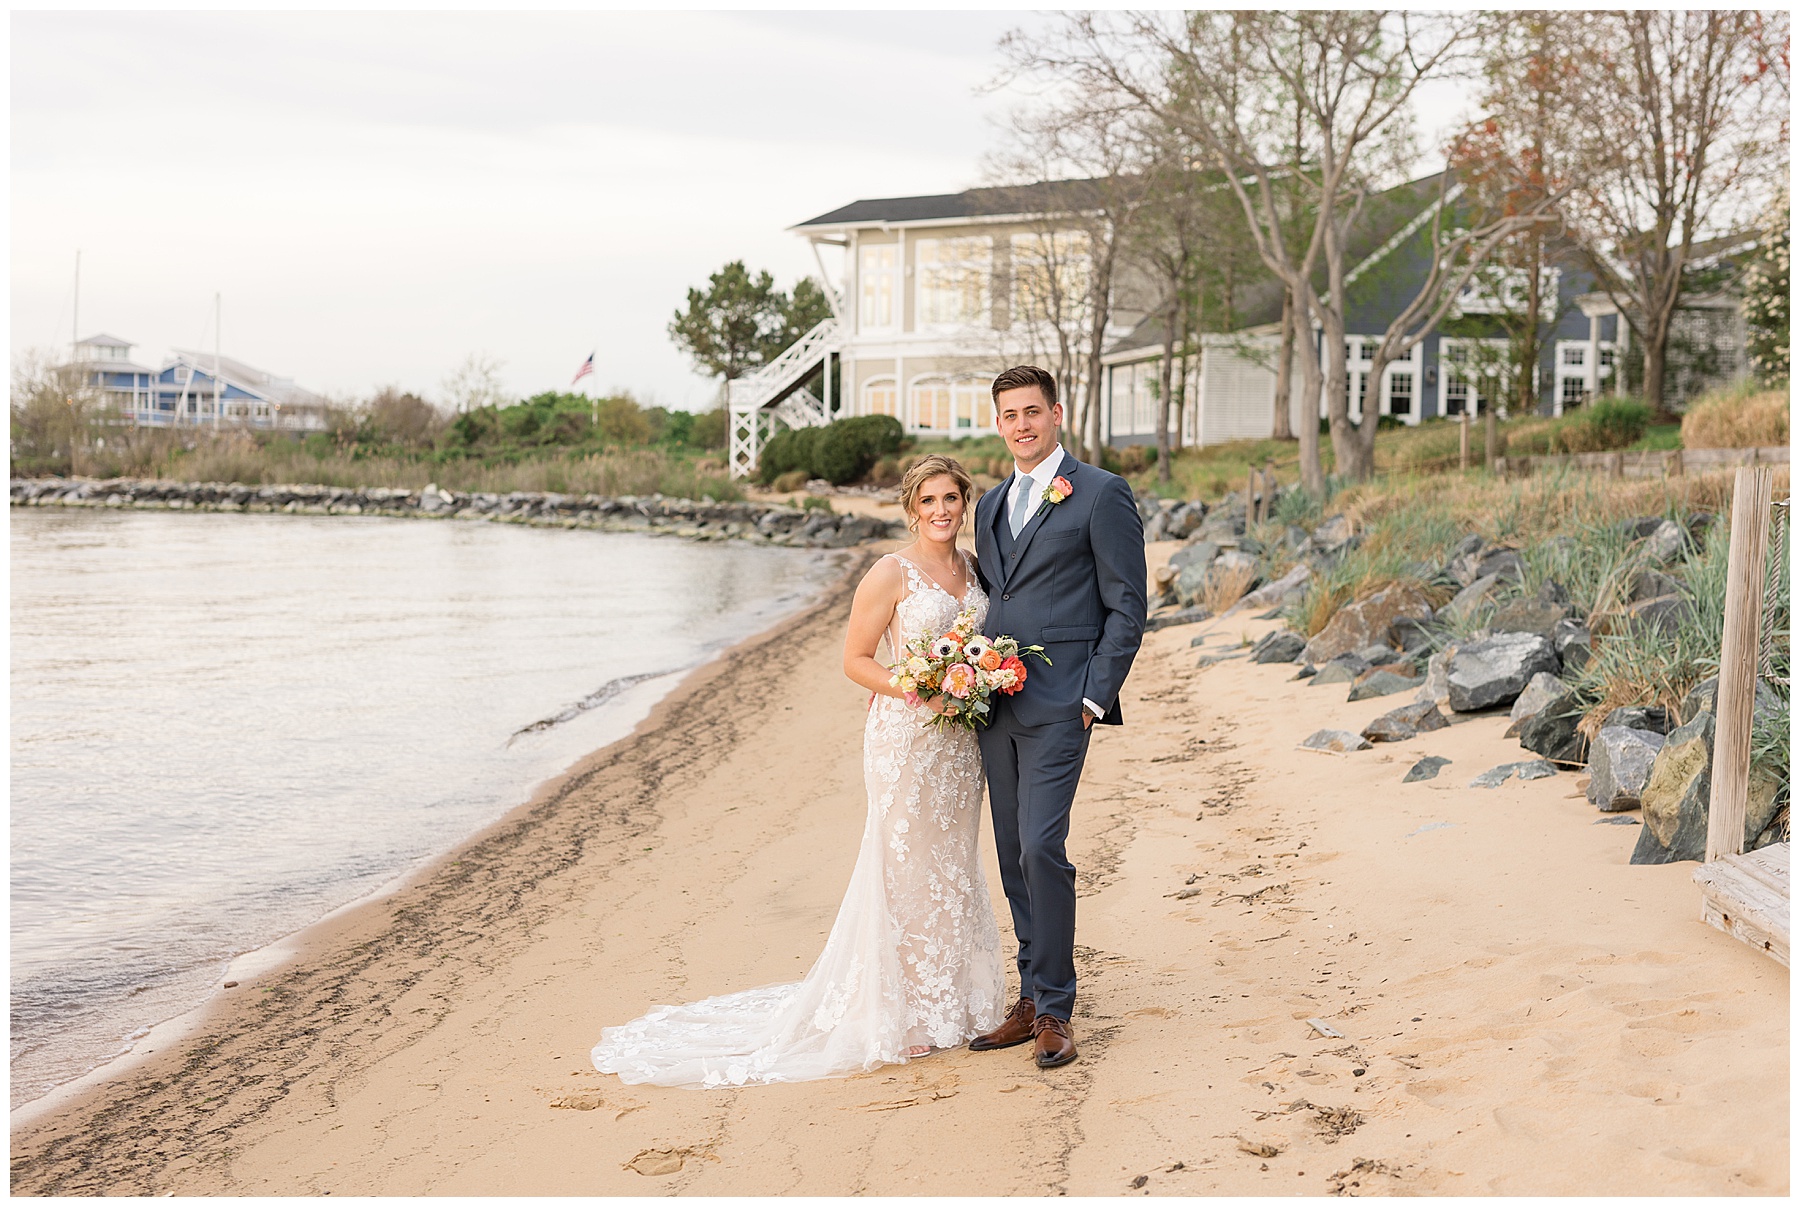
[[218, 340]]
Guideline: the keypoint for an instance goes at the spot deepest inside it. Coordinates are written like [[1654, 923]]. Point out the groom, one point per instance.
[[1062, 560]]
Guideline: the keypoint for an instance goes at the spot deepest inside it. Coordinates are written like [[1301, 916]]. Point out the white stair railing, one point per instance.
[[770, 395]]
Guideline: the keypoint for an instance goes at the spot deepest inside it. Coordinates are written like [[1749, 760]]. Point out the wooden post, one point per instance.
[[1738, 652], [1250, 499], [1465, 438], [1672, 466], [1491, 428], [1616, 466]]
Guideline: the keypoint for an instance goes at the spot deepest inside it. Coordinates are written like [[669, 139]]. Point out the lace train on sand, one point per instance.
[[914, 956]]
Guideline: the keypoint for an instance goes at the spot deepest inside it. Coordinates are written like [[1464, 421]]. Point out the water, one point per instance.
[[225, 726]]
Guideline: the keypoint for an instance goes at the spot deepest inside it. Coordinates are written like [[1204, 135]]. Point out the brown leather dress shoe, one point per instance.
[[1054, 1044], [1015, 1030]]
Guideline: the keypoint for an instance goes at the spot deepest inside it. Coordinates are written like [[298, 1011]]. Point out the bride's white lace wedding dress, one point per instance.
[[913, 959]]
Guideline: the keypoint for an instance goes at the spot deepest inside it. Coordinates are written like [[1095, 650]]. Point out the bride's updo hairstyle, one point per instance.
[[923, 470]]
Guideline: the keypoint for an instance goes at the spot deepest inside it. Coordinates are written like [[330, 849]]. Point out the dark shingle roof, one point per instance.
[[1051, 196]]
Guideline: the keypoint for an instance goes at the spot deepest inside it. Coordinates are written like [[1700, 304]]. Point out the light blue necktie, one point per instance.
[[1023, 505]]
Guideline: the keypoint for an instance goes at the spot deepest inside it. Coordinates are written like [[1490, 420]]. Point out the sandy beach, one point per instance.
[[1518, 1010]]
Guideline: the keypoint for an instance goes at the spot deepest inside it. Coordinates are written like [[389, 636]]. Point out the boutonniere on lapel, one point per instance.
[[1058, 490]]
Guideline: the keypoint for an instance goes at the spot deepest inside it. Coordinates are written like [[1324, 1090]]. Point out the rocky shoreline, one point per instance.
[[702, 520]]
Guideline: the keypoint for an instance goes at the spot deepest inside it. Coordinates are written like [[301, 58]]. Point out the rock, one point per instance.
[[1543, 688], [1552, 592], [1190, 579], [1340, 740], [1638, 716], [1377, 655], [1640, 527], [1667, 542], [1413, 635], [1168, 620], [1651, 584], [1704, 697], [1408, 721], [1437, 677], [1425, 769], [1501, 563], [1382, 683], [1283, 645], [1486, 673], [1529, 616], [1335, 672], [1551, 731], [1306, 671], [1279, 592], [1574, 644], [1368, 621], [1533, 769], [1234, 560], [1466, 601], [1678, 796], [1198, 551], [1619, 767], [1662, 614], [1333, 534]]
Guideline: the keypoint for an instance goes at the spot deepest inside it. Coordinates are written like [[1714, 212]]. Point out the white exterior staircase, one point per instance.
[[773, 395]]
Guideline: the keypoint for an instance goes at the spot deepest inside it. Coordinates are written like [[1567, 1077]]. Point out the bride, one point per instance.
[[913, 961]]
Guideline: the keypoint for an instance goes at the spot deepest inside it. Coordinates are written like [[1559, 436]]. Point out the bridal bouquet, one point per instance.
[[964, 667]]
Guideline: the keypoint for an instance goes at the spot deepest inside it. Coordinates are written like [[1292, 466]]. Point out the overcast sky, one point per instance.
[[377, 196]]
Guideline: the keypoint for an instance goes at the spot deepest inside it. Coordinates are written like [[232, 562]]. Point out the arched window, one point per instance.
[[880, 397]]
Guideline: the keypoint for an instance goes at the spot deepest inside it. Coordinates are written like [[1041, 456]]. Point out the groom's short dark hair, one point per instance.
[[1020, 376]]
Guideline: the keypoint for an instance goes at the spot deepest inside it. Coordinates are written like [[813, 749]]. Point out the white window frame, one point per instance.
[[944, 267], [876, 283], [1072, 252], [1447, 362]]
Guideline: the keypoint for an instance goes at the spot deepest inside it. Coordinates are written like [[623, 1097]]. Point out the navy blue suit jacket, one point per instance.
[[1075, 584]]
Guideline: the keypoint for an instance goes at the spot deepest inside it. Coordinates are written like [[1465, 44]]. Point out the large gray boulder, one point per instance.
[[1487, 673], [1678, 797], [1543, 688], [1382, 682], [1619, 766], [1367, 621], [1283, 589], [1283, 645], [1528, 616], [1408, 721], [1197, 551], [1704, 697], [1552, 731], [1466, 601], [1190, 579]]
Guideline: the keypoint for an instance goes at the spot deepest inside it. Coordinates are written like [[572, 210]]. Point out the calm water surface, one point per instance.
[[225, 726]]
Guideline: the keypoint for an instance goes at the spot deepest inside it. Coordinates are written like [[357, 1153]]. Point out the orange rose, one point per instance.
[[991, 659]]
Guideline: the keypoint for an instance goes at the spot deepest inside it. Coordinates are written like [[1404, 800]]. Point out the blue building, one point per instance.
[[194, 389]]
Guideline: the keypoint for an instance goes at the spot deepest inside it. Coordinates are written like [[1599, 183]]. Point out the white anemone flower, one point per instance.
[[976, 648], [943, 647]]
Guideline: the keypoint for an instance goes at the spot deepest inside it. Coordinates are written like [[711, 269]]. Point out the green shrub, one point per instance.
[[839, 452], [1604, 425]]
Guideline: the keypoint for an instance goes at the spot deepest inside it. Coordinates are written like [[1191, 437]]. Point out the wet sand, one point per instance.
[[1520, 1011]]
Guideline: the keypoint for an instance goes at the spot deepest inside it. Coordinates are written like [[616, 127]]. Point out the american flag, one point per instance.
[[587, 366]]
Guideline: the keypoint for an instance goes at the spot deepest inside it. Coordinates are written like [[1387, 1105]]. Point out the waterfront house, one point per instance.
[[194, 389], [936, 294]]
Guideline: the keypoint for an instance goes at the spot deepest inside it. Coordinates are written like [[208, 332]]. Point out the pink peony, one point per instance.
[[959, 680]]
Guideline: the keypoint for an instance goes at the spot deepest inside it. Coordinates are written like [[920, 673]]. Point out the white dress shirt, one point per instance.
[[1037, 481]]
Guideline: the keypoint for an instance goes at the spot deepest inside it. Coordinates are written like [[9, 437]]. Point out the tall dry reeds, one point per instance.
[[1743, 416]]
